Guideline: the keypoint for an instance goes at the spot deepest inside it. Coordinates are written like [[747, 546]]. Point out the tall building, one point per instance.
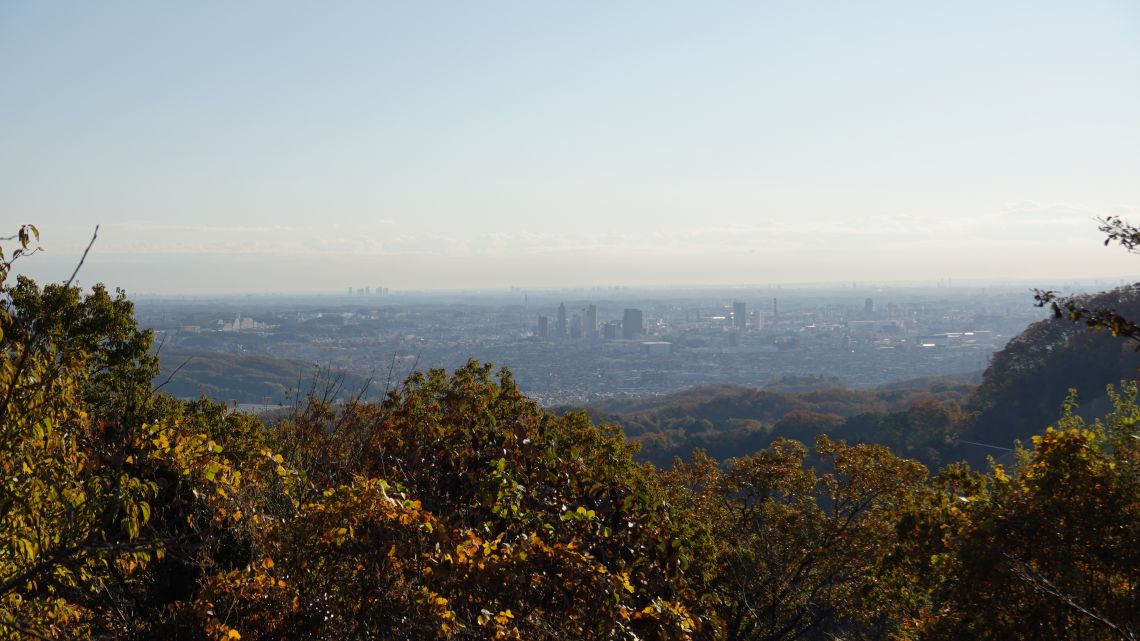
[[543, 327], [561, 328], [590, 322], [869, 306], [739, 317], [632, 324], [611, 330]]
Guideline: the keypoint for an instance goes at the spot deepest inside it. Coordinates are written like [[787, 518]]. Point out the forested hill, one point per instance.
[[192, 372], [916, 418], [1027, 381]]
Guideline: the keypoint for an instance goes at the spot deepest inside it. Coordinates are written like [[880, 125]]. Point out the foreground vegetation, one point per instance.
[[459, 509]]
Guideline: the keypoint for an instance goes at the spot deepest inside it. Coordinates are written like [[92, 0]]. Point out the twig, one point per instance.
[[82, 258], [1043, 585], [174, 373]]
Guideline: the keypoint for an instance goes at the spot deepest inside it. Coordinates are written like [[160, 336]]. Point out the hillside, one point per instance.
[[192, 372], [1027, 381], [916, 418]]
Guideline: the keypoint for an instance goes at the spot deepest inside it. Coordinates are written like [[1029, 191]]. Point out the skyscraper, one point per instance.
[[739, 318], [632, 324], [610, 330], [590, 322], [543, 327], [561, 328]]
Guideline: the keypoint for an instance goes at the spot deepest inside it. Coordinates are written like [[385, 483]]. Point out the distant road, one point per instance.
[[994, 447]]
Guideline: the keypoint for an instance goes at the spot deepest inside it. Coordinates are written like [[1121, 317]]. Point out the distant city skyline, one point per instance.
[[650, 342], [281, 147]]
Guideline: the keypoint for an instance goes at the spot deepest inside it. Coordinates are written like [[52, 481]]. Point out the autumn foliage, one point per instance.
[[457, 508]]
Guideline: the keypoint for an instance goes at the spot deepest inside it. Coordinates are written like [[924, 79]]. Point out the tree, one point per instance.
[[97, 486], [803, 555], [1077, 309], [1049, 550], [1030, 376], [457, 508]]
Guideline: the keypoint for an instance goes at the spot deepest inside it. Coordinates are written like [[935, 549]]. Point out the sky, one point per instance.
[[303, 147]]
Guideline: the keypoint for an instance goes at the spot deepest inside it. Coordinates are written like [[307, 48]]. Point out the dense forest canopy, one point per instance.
[[456, 508], [920, 419]]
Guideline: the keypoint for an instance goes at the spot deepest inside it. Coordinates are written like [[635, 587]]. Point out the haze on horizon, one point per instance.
[[286, 147]]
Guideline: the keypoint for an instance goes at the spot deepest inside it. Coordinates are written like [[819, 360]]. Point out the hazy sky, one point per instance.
[[275, 146]]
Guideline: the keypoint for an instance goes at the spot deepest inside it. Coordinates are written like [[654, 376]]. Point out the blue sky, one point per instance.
[[275, 146]]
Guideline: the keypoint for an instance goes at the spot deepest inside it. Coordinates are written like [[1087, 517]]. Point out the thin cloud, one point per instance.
[[1019, 221], [207, 229]]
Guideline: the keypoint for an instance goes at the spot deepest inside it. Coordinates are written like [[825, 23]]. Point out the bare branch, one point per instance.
[[82, 258], [174, 373], [1038, 582]]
